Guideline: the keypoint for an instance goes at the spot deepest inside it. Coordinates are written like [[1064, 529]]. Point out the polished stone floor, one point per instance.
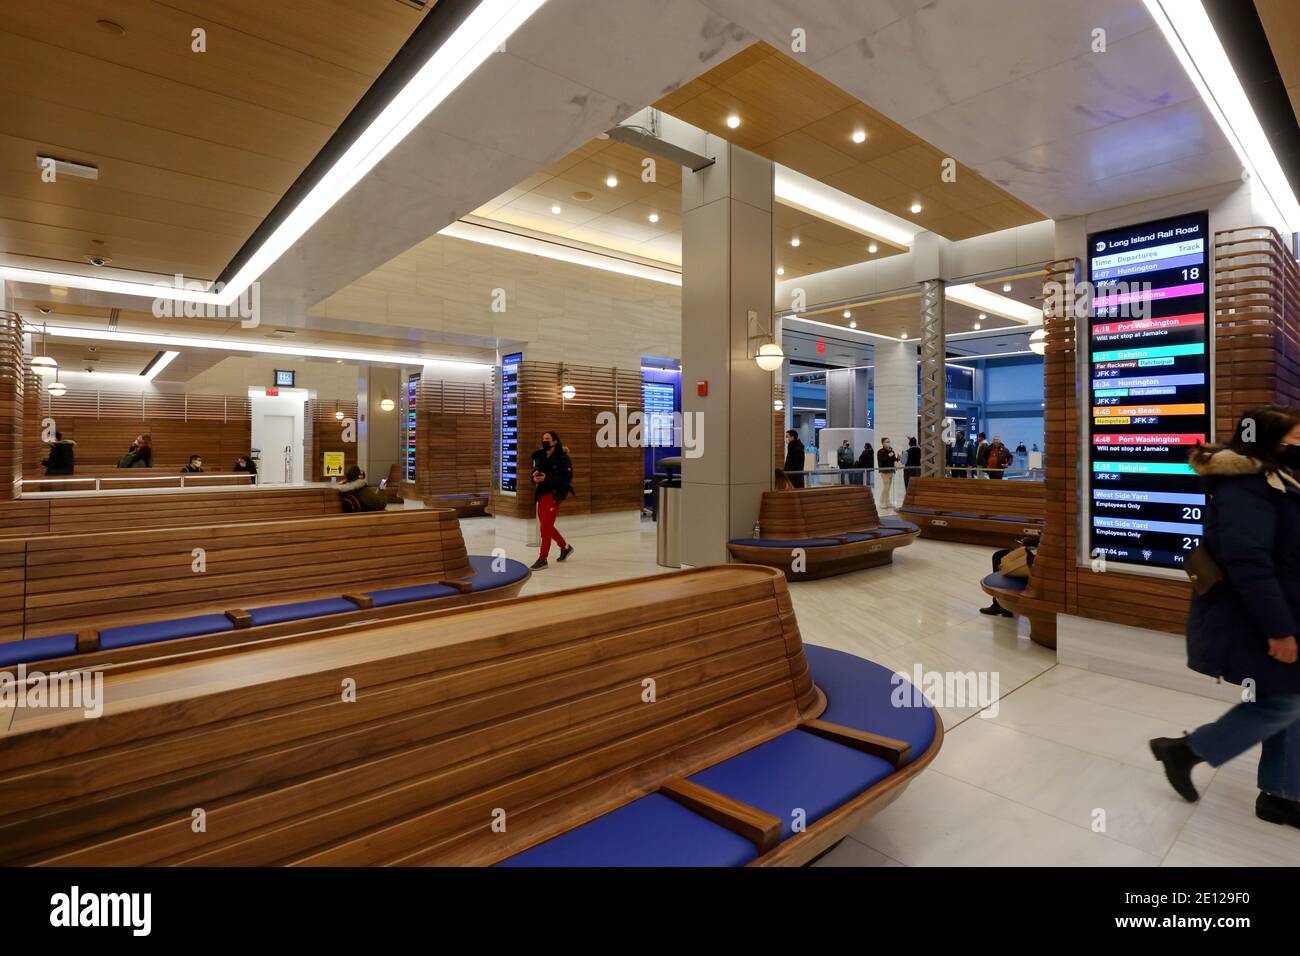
[[1054, 772]]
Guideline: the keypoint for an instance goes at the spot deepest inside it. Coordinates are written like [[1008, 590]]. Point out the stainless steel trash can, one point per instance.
[[668, 515]]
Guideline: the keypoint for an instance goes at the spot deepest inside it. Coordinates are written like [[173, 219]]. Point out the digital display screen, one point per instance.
[[283, 378], [660, 400], [412, 400], [1149, 390], [509, 439]]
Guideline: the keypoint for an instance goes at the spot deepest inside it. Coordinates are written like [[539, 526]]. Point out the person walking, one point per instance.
[[886, 459], [794, 458], [844, 460], [552, 483], [911, 462], [981, 455], [1243, 629], [998, 458]]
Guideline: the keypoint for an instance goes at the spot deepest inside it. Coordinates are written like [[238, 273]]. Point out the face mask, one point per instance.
[[1289, 455], [546, 446]]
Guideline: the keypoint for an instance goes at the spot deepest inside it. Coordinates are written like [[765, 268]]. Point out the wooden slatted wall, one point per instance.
[[1257, 360], [453, 438], [326, 434], [605, 479], [11, 404]]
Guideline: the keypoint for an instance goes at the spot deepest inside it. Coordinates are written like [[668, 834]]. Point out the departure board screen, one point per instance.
[[508, 446], [1149, 391]]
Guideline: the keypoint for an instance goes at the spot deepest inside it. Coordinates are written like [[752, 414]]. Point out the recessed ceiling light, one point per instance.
[[780, 270], [853, 325], [848, 314], [583, 196], [859, 136], [916, 207], [1006, 287], [903, 336], [872, 248], [982, 317], [733, 121], [795, 242], [611, 181], [556, 209], [977, 326], [654, 217]]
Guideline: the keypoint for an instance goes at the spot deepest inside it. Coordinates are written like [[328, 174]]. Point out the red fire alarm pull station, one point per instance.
[[702, 388]]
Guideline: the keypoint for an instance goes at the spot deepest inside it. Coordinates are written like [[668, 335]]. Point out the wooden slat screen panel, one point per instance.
[[327, 435], [1257, 360], [453, 443], [605, 479]]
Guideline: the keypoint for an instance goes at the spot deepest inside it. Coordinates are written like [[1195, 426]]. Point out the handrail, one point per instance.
[[237, 477]]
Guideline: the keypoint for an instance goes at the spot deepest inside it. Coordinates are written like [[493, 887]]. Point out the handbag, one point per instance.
[[1202, 570], [1016, 563]]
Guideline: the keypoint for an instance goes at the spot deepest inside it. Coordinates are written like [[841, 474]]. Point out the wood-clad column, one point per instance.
[[934, 379], [11, 404], [727, 273]]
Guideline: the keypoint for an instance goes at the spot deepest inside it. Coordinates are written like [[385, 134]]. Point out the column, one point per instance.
[[895, 368], [934, 394], [383, 432], [727, 273]]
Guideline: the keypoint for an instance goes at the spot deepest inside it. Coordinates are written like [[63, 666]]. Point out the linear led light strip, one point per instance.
[[554, 250], [482, 32], [182, 342], [978, 297], [157, 364], [1191, 36]]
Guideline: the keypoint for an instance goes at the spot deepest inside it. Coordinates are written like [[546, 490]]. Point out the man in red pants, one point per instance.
[[552, 483]]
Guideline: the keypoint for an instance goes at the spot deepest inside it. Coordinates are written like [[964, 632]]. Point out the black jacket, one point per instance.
[[794, 456], [1252, 529], [557, 471], [844, 457], [62, 458], [912, 457], [867, 459], [886, 457]]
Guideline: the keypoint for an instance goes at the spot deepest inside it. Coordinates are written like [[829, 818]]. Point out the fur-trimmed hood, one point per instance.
[[1210, 461]]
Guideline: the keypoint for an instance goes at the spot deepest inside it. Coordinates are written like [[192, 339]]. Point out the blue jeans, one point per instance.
[[1273, 720]]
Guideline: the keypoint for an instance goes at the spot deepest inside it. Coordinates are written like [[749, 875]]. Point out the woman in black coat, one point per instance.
[[1244, 630], [552, 483]]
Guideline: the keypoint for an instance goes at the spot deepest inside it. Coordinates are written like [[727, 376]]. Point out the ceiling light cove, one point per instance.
[[985, 301], [478, 36], [816, 198]]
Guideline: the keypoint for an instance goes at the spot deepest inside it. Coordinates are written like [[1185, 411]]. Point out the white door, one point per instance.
[[277, 450]]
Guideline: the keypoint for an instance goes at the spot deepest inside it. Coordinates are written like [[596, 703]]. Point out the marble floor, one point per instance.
[[1055, 771]]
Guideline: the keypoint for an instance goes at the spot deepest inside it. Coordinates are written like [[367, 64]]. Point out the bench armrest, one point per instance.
[[760, 828], [241, 619], [897, 752]]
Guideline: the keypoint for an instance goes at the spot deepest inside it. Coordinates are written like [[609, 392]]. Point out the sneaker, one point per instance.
[[1274, 809], [540, 564], [566, 551], [1179, 759]]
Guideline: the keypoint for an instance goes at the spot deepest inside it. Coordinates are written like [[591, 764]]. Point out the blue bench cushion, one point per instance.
[[796, 771], [115, 637], [962, 514], [918, 511], [415, 592], [786, 543], [864, 695], [485, 578], [652, 831], [37, 649], [999, 580], [279, 613]]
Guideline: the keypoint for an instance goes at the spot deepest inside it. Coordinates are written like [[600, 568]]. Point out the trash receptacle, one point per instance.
[[668, 515]]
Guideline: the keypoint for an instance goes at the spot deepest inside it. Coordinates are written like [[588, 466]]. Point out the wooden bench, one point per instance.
[[814, 532], [976, 511], [221, 584], [113, 479], [1009, 593], [669, 720]]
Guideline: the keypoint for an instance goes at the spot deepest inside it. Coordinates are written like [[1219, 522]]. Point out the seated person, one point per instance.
[[61, 460], [246, 465], [195, 466], [356, 495]]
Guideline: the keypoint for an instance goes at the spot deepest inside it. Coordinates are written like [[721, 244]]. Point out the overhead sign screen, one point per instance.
[[1149, 391]]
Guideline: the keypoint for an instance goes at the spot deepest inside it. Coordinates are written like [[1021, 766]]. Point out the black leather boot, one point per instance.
[[1179, 759]]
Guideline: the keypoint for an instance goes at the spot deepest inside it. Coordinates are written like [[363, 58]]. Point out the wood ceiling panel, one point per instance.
[[1281, 20], [792, 115], [174, 132]]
